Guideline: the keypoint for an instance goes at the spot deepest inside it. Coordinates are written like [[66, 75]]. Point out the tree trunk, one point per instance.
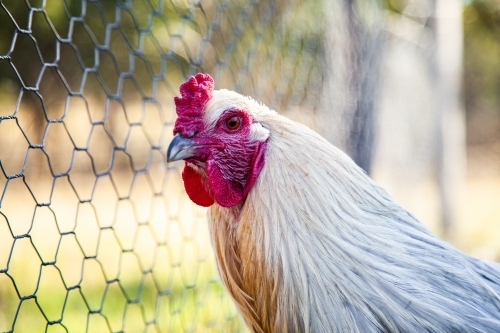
[[451, 156], [353, 53]]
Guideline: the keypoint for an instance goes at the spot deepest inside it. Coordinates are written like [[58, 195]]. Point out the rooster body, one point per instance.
[[305, 241]]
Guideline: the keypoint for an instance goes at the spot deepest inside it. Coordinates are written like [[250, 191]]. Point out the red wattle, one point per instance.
[[224, 190], [196, 187]]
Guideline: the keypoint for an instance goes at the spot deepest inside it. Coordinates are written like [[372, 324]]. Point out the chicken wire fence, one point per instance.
[[96, 234]]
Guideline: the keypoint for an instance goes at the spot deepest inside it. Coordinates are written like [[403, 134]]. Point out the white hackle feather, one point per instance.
[[318, 247]]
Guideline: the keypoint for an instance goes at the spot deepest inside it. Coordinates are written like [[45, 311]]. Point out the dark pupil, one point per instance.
[[232, 123]]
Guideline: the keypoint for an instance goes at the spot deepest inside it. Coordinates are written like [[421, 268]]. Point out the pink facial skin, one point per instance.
[[231, 160]]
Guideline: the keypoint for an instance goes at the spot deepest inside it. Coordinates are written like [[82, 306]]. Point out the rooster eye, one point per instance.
[[233, 123]]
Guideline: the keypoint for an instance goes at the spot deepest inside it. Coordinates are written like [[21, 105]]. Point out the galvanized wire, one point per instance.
[[96, 233]]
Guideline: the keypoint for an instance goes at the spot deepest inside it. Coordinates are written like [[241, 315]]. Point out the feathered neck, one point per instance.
[[319, 247]]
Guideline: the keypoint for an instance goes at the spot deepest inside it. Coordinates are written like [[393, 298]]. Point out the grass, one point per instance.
[[163, 301]]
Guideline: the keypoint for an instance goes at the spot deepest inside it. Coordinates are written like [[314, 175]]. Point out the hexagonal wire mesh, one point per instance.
[[96, 233]]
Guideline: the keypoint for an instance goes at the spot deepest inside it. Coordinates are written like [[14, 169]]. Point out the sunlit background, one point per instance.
[[96, 233]]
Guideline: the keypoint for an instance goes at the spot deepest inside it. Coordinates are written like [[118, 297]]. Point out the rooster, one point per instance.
[[305, 241]]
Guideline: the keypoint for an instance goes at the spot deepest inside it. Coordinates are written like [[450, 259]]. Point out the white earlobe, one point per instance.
[[258, 132]]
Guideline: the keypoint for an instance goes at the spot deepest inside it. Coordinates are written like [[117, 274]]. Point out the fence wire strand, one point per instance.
[[96, 233]]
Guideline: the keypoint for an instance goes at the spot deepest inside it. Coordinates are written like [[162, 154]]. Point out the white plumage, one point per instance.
[[317, 246]]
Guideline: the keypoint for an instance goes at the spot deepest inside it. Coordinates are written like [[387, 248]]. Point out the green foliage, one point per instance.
[[482, 56]]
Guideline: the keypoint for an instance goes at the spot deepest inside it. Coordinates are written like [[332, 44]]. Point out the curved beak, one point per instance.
[[180, 148]]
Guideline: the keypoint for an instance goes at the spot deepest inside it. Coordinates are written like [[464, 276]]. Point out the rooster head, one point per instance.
[[217, 134]]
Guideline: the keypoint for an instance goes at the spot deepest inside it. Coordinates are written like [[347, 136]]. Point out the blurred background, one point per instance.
[[96, 233]]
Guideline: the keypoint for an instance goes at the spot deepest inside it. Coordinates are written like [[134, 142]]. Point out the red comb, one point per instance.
[[195, 93]]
